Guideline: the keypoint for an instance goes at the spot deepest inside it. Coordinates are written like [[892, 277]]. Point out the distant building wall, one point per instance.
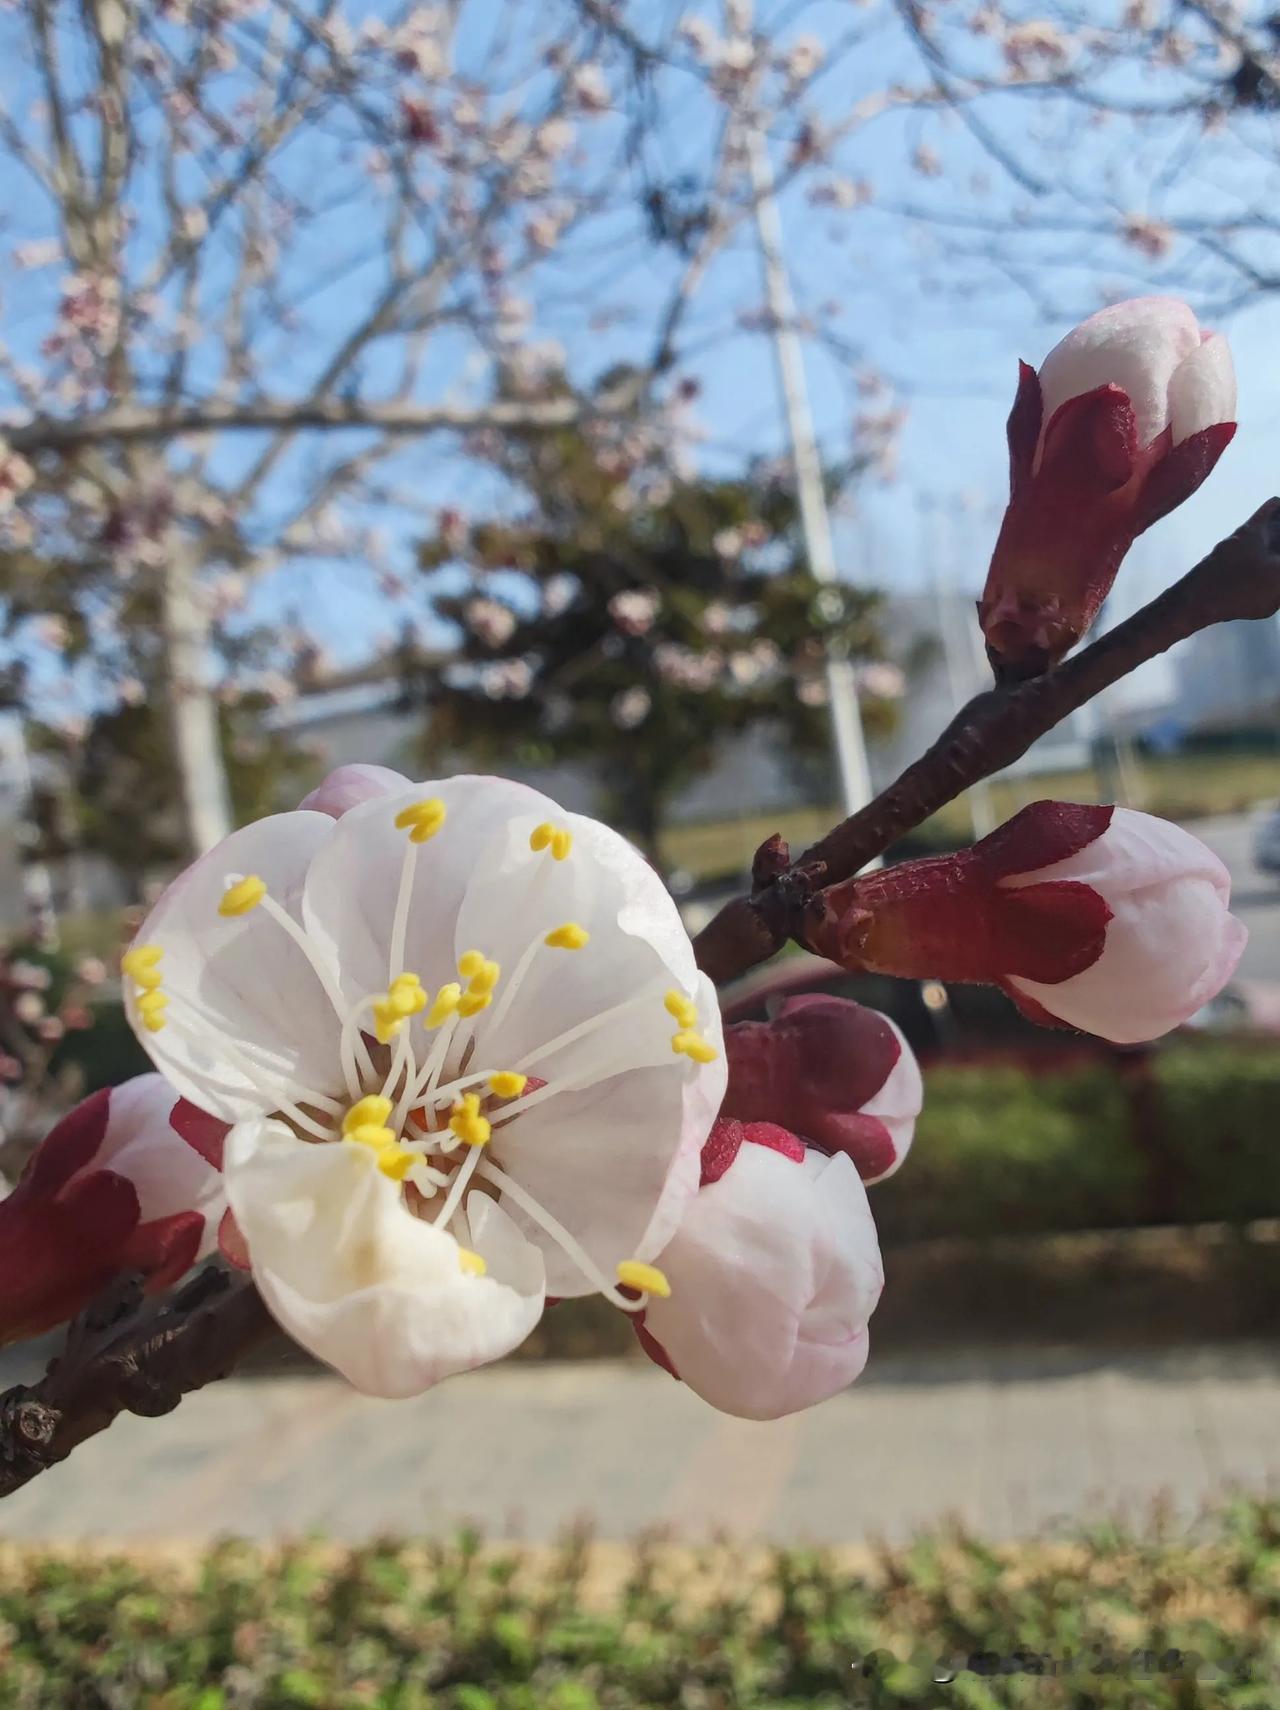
[[1229, 672]]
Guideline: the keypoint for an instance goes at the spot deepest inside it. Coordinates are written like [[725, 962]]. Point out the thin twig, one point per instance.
[[1240, 578]]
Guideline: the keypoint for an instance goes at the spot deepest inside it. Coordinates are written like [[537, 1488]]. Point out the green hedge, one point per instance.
[[1186, 1135], [998, 1151], [1111, 1621], [1220, 1109]]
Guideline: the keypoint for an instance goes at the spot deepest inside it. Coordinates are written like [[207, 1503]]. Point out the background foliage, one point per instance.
[[1162, 1620]]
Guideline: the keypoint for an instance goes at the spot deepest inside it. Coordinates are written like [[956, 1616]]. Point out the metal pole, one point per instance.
[[815, 524], [964, 683]]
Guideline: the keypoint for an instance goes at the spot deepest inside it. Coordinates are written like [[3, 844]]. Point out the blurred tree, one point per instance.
[[263, 259], [117, 793], [630, 618]]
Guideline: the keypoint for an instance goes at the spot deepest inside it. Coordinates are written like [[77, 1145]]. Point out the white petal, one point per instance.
[[1171, 944], [1202, 391], [638, 942], [168, 1175], [617, 1163], [898, 1102], [353, 884], [352, 1275], [250, 980], [1135, 345], [774, 1273]]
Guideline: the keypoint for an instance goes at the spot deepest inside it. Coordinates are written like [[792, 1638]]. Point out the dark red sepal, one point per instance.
[[1095, 436], [204, 1134], [69, 1146], [1040, 835], [1177, 475], [651, 1345], [1023, 428], [775, 1138], [164, 1250], [720, 1148]]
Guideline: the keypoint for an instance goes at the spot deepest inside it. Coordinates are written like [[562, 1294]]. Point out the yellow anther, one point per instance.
[[148, 979], [241, 897], [398, 1162], [141, 959], [485, 978], [387, 1021], [153, 1003], [471, 1003], [470, 962], [647, 1278], [153, 1022], [557, 838], [371, 1134], [372, 1109], [447, 1001], [570, 936], [406, 996], [682, 1008], [507, 1084], [472, 1264], [467, 1123], [690, 1044], [422, 819]]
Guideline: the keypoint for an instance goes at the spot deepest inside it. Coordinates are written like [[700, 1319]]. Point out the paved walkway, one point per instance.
[[1009, 1442]]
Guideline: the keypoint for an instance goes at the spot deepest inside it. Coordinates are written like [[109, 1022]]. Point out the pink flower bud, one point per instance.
[[1097, 917], [840, 1075], [347, 786], [1125, 419], [774, 1272], [110, 1189]]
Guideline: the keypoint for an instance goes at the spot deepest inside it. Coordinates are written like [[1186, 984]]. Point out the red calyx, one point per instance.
[[68, 1230], [950, 918], [811, 1068]]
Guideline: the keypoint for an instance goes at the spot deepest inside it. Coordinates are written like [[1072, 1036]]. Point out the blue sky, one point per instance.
[[945, 326]]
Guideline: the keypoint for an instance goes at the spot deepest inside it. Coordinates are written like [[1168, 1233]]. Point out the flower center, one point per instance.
[[417, 1088]]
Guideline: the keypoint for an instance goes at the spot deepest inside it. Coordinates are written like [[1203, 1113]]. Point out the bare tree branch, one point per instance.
[[141, 423]]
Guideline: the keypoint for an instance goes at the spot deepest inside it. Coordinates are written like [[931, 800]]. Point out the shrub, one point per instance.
[[1003, 1151], [1220, 1126], [1107, 1620]]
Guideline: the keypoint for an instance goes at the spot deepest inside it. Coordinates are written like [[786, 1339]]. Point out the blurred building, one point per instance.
[[1229, 675]]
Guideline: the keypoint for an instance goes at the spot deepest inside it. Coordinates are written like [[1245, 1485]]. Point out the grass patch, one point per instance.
[[1110, 1619]]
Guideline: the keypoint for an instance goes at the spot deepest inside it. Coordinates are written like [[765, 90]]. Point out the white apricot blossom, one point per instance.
[[468, 1059]]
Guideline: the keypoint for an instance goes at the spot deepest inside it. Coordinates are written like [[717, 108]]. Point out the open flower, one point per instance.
[[1108, 920], [1127, 416], [833, 1071], [467, 1058], [774, 1272], [110, 1189]]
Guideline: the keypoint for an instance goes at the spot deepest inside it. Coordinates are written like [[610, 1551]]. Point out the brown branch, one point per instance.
[[142, 423], [1240, 578], [128, 1355]]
